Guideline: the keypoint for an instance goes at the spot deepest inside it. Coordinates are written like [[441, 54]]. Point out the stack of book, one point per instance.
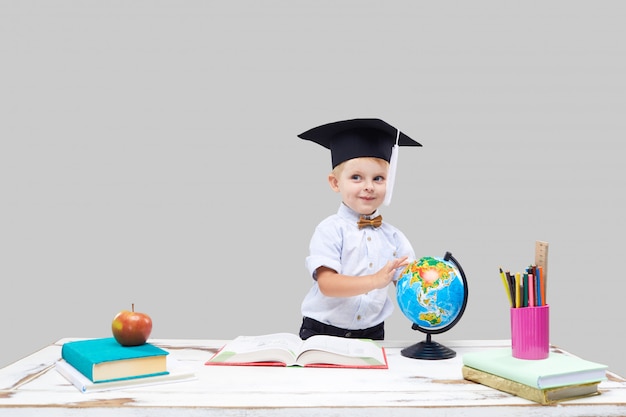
[[104, 364], [559, 377]]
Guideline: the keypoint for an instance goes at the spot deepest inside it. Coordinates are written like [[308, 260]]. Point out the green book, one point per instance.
[[104, 359], [557, 370]]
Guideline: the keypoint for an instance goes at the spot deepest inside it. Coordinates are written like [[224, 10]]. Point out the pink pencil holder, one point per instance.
[[530, 332]]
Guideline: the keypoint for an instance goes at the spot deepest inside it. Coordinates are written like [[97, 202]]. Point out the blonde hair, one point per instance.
[[339, 168]]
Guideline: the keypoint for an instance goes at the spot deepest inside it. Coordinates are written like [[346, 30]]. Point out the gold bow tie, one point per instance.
[[375, 222]]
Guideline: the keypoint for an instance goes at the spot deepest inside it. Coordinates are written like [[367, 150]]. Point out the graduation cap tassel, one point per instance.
[[393, 165]]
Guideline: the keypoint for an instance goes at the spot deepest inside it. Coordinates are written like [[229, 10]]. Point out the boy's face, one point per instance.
[[362, 183]]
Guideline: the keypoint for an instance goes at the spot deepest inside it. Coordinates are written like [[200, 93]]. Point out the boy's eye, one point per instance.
[[379, 178], [356, 177]]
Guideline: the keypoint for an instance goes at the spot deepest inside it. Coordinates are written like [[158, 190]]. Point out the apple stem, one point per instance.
[[132, 307]]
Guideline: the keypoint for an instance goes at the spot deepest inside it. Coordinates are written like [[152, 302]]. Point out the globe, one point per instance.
[[432, 293]]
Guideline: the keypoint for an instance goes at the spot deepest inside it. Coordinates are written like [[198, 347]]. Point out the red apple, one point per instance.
[[131, 328]]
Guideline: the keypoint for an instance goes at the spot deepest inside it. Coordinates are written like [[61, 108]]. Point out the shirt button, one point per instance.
[[371, 264], [369, 238], [358, 317]]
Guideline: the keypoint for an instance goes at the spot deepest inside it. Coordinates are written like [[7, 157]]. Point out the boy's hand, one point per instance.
[[332, 284], [385, 275]]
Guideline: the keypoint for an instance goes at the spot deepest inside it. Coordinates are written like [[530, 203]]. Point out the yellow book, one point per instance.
[[543, 396]]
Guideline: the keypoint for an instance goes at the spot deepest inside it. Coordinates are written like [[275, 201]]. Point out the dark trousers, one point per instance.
[[311, 327]]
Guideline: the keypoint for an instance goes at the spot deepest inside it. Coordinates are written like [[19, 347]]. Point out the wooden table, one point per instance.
[[409, 387]]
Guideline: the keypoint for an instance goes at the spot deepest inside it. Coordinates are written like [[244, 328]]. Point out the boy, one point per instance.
[[353, 254]]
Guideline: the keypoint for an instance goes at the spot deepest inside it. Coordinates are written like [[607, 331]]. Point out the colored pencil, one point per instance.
[[506, 286]]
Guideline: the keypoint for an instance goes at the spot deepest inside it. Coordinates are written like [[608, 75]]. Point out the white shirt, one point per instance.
[[339, 244]]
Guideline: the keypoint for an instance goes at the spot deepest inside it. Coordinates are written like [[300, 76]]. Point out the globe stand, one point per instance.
[[428, 350]]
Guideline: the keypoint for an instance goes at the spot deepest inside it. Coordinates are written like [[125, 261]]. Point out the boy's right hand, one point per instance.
[[386, 274]]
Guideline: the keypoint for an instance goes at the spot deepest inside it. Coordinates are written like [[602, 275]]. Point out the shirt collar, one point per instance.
[[347, 213]]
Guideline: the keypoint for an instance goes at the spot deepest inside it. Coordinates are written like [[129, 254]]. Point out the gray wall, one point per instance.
[[138, 140]]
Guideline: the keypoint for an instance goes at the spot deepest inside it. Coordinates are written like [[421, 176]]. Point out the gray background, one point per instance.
[[149, 155]]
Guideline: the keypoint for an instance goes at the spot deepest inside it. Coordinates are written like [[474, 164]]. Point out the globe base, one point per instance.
[[428, 350]]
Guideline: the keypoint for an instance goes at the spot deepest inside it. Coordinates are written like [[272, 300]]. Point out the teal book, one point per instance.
[[557, 370], [104, 360]]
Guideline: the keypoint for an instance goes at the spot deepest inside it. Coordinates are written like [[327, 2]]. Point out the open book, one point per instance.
[[286, 349]]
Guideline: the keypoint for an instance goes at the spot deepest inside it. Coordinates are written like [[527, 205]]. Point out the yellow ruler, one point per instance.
[[541, 259]]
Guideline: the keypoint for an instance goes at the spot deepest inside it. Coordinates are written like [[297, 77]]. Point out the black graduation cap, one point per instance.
[[356, 138]]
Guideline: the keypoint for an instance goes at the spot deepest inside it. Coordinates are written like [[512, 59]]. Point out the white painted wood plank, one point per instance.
[[409, 387]]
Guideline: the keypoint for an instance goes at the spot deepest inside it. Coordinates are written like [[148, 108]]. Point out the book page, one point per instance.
[[340, 350], [275, 347]]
